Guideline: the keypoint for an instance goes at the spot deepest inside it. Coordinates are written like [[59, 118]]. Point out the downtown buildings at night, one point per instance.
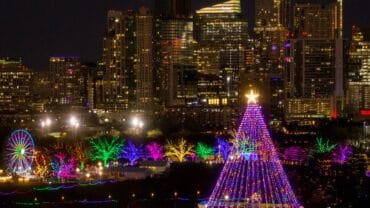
[[197, 64], [315, 71], [265, 111], [15, 90]]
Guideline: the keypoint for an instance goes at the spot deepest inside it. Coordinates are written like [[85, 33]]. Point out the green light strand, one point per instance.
[[324, 146], [105, 149], [204, 150]]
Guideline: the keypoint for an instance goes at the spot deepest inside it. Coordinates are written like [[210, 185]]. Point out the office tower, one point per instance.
[[95, 91], [317, 20], [41, 92], [144, 64], [272, 13], [15, 87], [174, 60], [313, 73], [173, 8], [116, 77], [115, 89], [286, 13], [66, 80], [315, 62], [323, 22], [221, 36], [271, 30], [88, 70], [358, 77]]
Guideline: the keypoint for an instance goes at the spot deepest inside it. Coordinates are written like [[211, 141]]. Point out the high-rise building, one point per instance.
[[306, 110], [271, 31], [15, 86], [41, 92], [315, 61], [173, 8], [128, 61], [312, 73], [116, 78], [88, 70], [95, 87], [317, 20], [174, 60], [272, 13], [358, 77], [221, 37], [144, 61], [66, 80]]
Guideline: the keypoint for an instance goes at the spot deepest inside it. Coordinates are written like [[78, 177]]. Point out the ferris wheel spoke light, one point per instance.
[[20, 152]]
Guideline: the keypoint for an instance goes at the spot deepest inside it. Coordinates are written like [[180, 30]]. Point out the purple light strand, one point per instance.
[[260, 177]]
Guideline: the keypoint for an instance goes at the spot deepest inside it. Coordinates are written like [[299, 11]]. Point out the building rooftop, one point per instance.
[[231, 6]]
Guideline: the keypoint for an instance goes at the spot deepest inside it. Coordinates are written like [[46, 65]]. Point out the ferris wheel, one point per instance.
[[20, 151]]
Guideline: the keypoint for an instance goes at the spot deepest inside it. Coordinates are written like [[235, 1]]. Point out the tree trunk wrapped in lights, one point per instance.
[[253, 175]]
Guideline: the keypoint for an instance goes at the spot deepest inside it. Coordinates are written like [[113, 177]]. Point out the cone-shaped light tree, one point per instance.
[[253, 175]]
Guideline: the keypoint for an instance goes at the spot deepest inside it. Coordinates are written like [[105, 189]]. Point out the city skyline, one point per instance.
[[251, 103], [39, 30]]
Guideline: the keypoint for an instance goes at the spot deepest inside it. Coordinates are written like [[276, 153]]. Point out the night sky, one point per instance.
[[37, 29]]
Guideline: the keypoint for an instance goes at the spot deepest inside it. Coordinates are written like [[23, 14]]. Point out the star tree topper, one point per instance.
[[252, 97]]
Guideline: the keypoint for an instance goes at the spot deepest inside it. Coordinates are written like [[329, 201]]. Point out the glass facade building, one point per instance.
[[221, 39], [66, 80], [358, 77], [15, 86]]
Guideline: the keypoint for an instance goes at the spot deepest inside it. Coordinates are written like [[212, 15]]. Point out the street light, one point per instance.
[[73, 122], [48, 121], [88, 176], [228, 85], [175, 199], [137, 123], [45, 123]]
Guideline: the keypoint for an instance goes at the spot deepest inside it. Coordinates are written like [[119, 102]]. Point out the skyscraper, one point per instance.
[[271, 30], [115, 82], [221, 36], [174, 59], [358, 77], [66, 80], [272, 13], [315, 70], [173, 8], [317, 20], [144, 63], [15, 86]]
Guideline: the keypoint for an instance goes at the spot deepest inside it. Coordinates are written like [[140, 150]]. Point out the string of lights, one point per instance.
[[253, 175]]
